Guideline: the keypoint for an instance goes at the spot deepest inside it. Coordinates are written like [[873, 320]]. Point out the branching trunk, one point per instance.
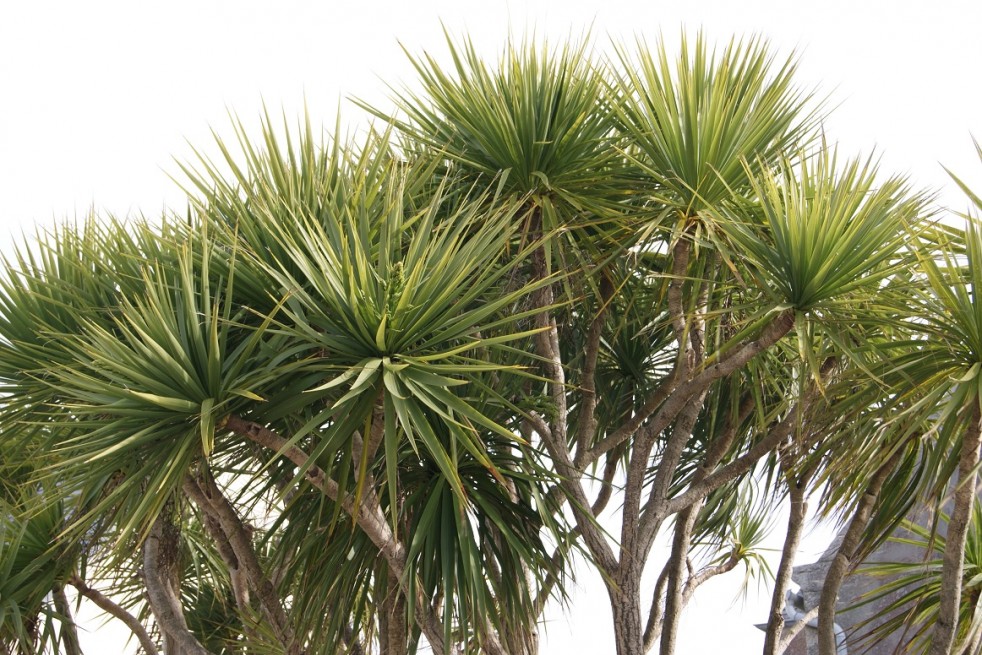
[[946, 627], [213, 503], [554, 435], [161, 573], [113, 609], [706, 482]]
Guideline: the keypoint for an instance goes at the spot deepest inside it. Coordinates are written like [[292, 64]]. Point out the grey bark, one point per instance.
[[161, 574], [115, 610], [652, 629], [217, 506], [953, 560], [625, 604], [69, 630], [845, 559], [394, 637], [684, 524], [782, 579]]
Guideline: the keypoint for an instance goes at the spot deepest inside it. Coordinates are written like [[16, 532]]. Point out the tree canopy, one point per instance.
[[376, 392]]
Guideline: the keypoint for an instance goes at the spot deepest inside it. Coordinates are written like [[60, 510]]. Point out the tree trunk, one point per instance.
[[681, 541], [946, 627], [845, 559], [782, 580], [394, 633], [625, 603], [69, 631], [161, 573]]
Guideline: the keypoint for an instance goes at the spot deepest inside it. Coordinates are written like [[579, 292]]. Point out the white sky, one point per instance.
[[97, 98]]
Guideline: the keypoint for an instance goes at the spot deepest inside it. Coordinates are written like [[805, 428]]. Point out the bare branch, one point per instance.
[[676, 311], [587, 417], [240, 586], [707, 573], [69, 630], [652, 629], [113, 609], [674, 600], [791, 632]]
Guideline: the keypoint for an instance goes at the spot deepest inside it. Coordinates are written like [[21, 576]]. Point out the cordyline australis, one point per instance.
[[370, 394]]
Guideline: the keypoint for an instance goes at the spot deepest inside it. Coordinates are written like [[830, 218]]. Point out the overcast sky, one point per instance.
[[98, 98]]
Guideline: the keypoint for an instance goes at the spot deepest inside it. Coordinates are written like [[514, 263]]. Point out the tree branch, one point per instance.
[[240, 586], [631, 426], [670, 398], [587, 417], [160, 553], [778, 433], [217, 505], [844, 560], [653, 627], [113, 609], [674, 601], [371, 521], [791, 632], [953, 559], [782, 580], [705, 574], [69, 630], [555, 438]]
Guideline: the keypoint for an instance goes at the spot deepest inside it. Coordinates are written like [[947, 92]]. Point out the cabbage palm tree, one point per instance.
[[348, 398], [331, 330], [944, 366], [704, 238]]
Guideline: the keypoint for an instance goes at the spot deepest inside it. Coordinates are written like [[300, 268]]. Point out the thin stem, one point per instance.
[[113, 609]]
